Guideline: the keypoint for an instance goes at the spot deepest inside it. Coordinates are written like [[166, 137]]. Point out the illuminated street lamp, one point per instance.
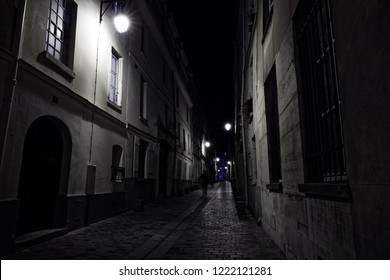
[[207, 144], [217, 159], [121, 21], [229, 162], [228, 126]]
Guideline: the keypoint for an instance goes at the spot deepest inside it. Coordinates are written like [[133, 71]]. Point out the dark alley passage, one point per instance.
[[184, 227], [115, 115]]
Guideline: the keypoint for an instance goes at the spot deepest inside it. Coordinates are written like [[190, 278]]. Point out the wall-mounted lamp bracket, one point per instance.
[[122, 3]]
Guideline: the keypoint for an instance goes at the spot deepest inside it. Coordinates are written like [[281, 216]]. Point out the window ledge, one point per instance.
[[142, 119], [114, 106], [59, 67], [275, 187], [332, 190]]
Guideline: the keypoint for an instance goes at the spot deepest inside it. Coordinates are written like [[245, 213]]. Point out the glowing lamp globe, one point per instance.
[[122, 23], [228, 126]]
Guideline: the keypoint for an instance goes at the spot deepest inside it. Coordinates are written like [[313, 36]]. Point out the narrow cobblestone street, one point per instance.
[[186, 227]]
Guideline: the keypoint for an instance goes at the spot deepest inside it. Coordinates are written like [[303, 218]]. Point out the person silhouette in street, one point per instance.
[[204, 179]]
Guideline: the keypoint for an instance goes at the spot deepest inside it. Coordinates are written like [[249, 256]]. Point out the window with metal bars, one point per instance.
[[324, 159], [272, 117], [58, 30]]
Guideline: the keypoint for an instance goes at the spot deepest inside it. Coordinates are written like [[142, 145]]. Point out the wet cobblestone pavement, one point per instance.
[[186, 227]]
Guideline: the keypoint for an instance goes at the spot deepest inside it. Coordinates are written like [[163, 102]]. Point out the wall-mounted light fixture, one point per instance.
[[121, 20]]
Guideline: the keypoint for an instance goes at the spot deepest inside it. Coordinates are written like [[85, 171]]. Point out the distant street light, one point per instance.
[[228, 126], [207, 144], [217, 159], [229, 162]]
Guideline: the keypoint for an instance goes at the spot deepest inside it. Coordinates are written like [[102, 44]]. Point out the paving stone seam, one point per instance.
[[146, 248], [170, 240]]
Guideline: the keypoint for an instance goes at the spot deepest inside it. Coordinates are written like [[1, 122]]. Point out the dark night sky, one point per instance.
[[207, 31]]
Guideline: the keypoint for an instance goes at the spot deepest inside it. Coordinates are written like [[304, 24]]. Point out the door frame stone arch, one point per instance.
[[56, 201]]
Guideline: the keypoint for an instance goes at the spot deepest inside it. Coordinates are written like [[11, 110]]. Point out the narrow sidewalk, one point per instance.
[[117, 237]]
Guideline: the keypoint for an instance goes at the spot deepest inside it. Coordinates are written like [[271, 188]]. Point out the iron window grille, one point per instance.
[[272, 117], [320, 102], [117, 174], [58, 30]]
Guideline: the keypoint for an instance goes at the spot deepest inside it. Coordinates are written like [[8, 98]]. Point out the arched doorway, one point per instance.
[[44, 174]]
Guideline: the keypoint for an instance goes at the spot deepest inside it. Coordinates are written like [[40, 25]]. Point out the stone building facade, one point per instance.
[[311, 95], [93, 122]]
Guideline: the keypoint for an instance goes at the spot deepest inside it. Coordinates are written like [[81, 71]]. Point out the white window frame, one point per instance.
[[115, 82], [58, 29]]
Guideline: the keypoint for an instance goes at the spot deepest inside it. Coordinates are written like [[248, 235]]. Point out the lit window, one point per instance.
[[114, 92], [58, 30]]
